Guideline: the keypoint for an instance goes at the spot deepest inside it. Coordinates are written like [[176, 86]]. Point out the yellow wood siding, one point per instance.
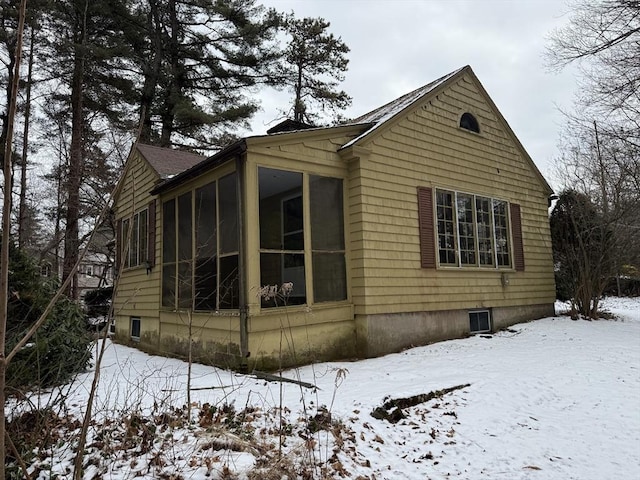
[[138, 291], [427, 148]]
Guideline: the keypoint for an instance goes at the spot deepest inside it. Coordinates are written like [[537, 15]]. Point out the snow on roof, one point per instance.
[[384, 113]]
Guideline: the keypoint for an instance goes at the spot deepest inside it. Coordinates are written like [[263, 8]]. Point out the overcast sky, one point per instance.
[[399, 45]]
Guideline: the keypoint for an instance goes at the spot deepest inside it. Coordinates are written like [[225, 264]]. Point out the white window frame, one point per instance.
[[476, 312], [456, 231], [131, 322]]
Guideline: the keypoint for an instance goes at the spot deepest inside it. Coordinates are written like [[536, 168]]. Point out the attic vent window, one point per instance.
[[469, 122]]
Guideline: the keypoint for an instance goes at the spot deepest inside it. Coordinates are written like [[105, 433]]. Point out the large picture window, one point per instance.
[[200, 248], [287, 249], [472, 230]]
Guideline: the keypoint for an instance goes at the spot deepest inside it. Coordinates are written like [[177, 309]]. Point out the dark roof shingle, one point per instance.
[[168, 162]]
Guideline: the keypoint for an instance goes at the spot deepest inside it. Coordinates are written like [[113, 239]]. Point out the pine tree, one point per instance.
[[87, 51], [313, 66], [199, 62]]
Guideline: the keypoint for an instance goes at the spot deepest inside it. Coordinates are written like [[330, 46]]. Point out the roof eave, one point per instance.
[[228, 153]]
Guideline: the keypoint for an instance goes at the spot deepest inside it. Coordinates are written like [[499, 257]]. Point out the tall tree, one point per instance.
[[6, 219], [603, 38], [199, 61], [313, 66], [8, 38], [87, 51], [601, 159]]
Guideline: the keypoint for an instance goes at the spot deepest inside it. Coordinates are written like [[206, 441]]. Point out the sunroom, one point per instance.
[[233, 232]]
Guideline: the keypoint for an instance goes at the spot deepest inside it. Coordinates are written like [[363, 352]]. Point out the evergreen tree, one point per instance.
[[313, 66], [87, 53], [199, 60]]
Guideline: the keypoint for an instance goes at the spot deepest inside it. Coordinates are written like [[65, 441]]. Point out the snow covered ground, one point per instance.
[[550, 399]]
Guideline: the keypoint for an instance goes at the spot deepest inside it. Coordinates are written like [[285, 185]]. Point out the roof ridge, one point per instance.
[[387, 111]]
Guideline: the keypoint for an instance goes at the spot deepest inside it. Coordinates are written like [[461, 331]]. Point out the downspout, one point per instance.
[[242, 281]]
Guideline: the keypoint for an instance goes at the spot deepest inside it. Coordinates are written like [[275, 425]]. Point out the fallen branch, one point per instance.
[[391, 410], [277, 378]]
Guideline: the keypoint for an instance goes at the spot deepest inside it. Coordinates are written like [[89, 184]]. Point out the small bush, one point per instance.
[[58, 351], [60, 348]]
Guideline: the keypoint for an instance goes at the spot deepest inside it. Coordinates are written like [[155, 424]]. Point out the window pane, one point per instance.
[[184, 227], [501, 224], [446, 228], [466, 233], [485, 235], [329, 277], [278, 268], [206, 283], [184, 285], [135, 328], [327, 216], [228, 214], [292, 215], [277, 186], [479, 322], [169, 285], [229, 285], [205, 221], [169, 231]]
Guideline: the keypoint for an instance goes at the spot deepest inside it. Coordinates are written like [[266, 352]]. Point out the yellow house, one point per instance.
[[422, 220]]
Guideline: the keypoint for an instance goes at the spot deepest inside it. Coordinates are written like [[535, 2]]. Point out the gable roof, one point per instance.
[[175, 166], [382, 114], [168, 162]]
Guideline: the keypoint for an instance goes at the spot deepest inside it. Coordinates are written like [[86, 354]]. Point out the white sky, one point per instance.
[[399, 45]]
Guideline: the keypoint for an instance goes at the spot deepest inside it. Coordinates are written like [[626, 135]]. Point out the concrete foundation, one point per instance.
[[387, 333]]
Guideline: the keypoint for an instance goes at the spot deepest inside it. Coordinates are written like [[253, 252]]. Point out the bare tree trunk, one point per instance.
[[298, 106], [25, 150], [6, 227], [151, 72], [71, 236], [173, 91]]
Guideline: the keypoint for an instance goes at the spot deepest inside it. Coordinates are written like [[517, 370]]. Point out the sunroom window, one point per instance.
[[200, 248], [287, 250], [282, 233]]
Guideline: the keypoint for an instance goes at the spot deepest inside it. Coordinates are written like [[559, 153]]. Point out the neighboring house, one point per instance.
[[95, 270], [96, 267], [420, 221]]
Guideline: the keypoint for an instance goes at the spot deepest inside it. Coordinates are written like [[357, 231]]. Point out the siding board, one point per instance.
[[427, 149]]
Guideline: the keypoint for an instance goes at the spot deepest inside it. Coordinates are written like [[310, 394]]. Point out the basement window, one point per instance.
[[480, 321], [134, 326]]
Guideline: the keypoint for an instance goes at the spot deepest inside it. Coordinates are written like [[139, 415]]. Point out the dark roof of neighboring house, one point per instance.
[[168, 162], [227, 153]]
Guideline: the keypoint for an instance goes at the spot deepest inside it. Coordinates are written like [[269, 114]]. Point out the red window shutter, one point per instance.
[[118, 245], [151, 233], [516, 235], [425, 222]]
